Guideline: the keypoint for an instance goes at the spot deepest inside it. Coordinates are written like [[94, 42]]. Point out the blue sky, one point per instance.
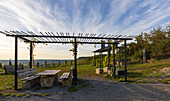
[[122, 17]]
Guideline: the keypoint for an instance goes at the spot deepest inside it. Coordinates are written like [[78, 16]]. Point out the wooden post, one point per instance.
[[94, 61], [109, 47], [125, 61], [16, 62], [75, 62], [114, 68], [30, 54], [119, 57], [101, 59]]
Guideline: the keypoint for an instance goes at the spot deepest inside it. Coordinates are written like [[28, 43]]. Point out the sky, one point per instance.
[[121, 17]]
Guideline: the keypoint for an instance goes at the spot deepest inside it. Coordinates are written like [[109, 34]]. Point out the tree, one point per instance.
[[64, 63], [105, 62], [70, 63], [58, 63], [52, 64], [10, 63], [20, 63], [97, 63], [38, 64], [0, 65], [45, 64], [28, 63]]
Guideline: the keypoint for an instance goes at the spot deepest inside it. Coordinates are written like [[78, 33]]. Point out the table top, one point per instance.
[[48, 72]]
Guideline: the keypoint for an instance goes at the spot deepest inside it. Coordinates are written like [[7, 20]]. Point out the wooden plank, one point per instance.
[[30, 78], [19, 71], [48, 72], [27, 75], [65, 76], [11, 68], [24, 73]]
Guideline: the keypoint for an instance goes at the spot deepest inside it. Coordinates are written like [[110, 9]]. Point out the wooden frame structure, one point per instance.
[[50, 37]]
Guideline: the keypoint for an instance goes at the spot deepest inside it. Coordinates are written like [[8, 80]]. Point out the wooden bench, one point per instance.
[[66, 78], [11, 68], [28, 77]]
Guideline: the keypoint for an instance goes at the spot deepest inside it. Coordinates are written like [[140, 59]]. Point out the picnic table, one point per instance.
[[48, 77]]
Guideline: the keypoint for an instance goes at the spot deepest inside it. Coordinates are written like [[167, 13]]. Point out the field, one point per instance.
[[153, 72]]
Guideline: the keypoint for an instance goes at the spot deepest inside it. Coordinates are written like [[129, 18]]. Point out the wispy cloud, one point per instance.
[[93, 16]]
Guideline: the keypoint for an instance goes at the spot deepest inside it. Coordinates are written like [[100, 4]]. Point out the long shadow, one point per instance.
[[134, 74]]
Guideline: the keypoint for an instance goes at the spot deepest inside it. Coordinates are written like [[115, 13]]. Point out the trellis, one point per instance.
[[66, 38]]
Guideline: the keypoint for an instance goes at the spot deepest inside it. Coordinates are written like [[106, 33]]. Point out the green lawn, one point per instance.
[[149, 72], [137, 73]]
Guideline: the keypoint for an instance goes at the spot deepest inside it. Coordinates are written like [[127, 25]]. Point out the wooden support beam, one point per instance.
[[62, 36], [119, 58], [94, 61], [125, 61], [75, 62], [114, 68], [31, 54], [16, 62], [101, 60], [109, 49]]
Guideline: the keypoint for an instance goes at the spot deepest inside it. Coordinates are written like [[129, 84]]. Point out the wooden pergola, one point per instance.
[[66, 38]]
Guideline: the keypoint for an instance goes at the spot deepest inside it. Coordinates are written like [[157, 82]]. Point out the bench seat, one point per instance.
[[64, 76], [66, 79]]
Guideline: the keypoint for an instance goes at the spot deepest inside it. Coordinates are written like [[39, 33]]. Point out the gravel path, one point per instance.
[[104, 90]]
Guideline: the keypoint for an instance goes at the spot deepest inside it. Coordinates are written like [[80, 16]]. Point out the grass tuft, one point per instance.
[[6, 94], [13, 94], [28, 95], [20, 94], [46, 94], [37, 94]]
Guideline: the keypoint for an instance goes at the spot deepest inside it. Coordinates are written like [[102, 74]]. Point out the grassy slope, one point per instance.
[[138, 73], [149, 72]]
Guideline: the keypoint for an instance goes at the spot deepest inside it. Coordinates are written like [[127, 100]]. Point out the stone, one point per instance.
[[30, 83], [99, 71], [105, 69], [109, 71], [47, 81], [26, 85]]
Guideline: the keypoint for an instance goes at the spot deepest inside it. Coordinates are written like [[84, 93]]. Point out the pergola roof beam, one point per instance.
[[86, 37], [73, 42]]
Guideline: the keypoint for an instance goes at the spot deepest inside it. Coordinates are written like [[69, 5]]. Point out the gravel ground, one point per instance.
[[103, 90]]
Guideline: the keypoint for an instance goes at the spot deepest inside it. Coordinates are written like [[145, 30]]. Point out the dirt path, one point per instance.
[[100, 89]]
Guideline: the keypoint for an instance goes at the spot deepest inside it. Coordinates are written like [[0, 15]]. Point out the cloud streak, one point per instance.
[[94, 16]]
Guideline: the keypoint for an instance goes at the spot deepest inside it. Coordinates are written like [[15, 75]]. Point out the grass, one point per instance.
[[41, 94], [46, 94], [28, 95], [20, 94], [137, 73], [81, 84], [37, 94], [6, 94], [148, 72], [13, 94]]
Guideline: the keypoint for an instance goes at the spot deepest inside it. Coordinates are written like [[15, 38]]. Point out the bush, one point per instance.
[[0, 65]]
